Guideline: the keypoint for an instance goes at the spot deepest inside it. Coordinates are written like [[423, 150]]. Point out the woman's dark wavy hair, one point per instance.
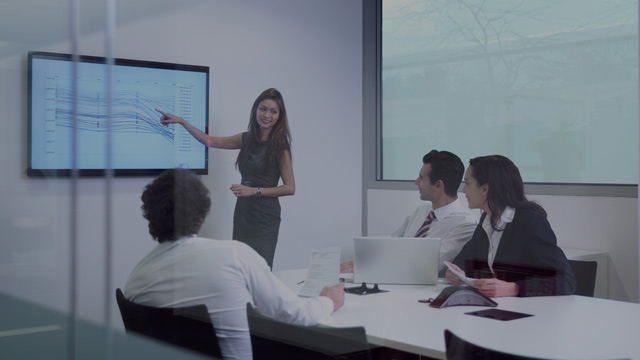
[[175, 203], [279, 137], [505, 186]]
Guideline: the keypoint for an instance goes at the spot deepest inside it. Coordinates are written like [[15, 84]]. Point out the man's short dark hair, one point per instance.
[[175, 204], [445, 166]]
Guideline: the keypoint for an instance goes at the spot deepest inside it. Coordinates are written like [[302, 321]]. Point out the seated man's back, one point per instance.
[[184, 269], [225, 276]]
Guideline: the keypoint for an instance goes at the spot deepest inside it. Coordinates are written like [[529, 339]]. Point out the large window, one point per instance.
[[551, 84]]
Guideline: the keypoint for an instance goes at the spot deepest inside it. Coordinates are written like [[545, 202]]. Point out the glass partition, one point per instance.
[[35, 215], [57, 270]]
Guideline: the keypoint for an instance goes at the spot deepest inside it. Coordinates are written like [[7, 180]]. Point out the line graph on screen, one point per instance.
[[133, 110]]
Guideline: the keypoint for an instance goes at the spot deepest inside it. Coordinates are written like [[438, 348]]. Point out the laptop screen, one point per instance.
[[389, 260]]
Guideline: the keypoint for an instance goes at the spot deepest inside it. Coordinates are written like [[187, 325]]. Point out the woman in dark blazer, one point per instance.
[[513, 251]]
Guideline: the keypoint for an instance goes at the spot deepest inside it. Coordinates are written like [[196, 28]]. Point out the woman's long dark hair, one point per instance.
[[505, 186], [279, 137]]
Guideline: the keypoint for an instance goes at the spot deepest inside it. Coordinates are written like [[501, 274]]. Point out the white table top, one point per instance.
[[563, 327]]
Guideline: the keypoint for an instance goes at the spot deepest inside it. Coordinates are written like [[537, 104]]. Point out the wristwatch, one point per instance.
[[258, 192]]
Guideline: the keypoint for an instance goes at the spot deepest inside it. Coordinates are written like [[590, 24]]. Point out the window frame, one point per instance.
[[372, 126]]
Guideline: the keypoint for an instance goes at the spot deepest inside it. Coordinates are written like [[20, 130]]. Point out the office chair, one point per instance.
[[273, 339], [585, 274], [460, 349], [189, 327]]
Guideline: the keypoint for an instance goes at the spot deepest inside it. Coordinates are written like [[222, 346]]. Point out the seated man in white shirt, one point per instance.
[[184, 269], [438, 182]]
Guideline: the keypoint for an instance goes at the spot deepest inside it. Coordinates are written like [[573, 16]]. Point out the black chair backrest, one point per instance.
[[189, 327], [460, 349], [273, 339], [585, 273]]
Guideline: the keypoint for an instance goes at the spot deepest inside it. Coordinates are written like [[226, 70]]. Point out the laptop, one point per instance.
[[393, 260]]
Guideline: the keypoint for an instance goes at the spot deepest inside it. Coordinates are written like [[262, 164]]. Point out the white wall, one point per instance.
[[582, 222], [310, 51]]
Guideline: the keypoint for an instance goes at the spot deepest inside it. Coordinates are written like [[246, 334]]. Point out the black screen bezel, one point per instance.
[[31, 172]]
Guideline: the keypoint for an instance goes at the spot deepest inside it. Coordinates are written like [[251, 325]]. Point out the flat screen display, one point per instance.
[[140, 144]]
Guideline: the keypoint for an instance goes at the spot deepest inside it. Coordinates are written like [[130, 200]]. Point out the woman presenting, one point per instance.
[[513, 251], [265, 157]]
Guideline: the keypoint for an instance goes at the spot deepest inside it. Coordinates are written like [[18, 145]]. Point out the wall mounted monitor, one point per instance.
[[140, 144]]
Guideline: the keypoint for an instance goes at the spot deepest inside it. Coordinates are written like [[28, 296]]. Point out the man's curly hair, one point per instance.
[[175, 203]]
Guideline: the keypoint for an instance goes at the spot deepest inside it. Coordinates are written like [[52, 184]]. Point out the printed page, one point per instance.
[[324, 270], [466, 280]]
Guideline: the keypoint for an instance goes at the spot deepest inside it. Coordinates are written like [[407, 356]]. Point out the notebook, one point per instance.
[[391, 260]]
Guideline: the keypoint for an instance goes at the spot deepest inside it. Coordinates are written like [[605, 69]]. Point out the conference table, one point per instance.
[[562, 327]]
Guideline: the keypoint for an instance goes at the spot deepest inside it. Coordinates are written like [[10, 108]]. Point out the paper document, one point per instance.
[[466, 280], [324, 270]]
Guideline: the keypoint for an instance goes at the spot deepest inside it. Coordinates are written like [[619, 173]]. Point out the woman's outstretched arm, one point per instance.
[[220, 142]]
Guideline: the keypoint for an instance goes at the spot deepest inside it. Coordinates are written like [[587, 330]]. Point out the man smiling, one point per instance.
[[441, 216]]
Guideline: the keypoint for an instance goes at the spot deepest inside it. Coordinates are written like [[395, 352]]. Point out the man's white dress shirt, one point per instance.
[[454, 225], [225, 276]]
